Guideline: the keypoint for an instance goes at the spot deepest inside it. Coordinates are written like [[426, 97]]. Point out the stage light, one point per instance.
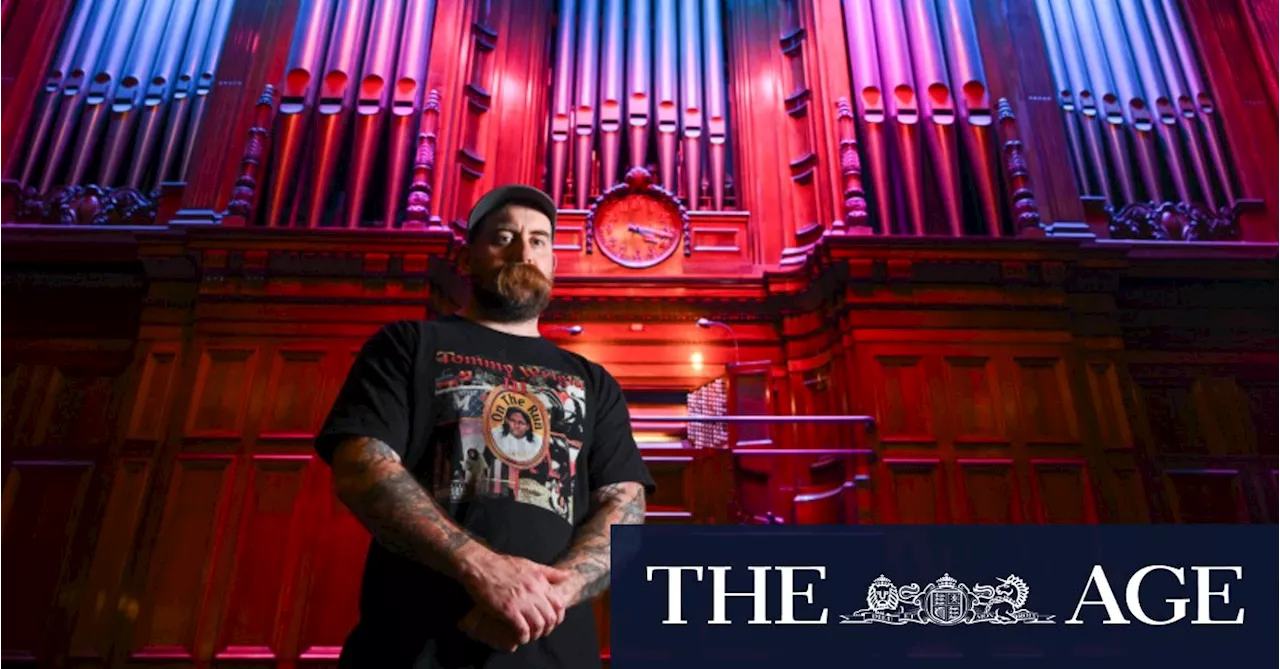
[[707, 323]]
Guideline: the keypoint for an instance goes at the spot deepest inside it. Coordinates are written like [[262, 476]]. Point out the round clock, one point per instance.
[[638, 230]]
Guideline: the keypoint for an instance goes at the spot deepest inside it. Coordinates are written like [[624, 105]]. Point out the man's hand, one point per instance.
[[516, 599]]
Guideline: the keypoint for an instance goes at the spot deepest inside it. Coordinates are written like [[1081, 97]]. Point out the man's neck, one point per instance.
[[527, 328]]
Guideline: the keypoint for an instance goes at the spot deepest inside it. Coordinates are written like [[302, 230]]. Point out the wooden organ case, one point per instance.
[[1032, 243]]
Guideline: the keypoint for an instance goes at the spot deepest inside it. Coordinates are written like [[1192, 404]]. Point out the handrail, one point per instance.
[[753, 419]]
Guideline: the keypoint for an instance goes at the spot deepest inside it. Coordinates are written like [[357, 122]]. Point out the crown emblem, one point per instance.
[[882, 581], [946, 581]]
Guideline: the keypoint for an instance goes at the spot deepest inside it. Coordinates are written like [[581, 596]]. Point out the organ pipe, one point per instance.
[[333, 108], [204, 83], [157, 90], [371, 105], [1094, 52], [1136, 110], [665, 91], [938, 107], [407, 98], [102, 87], [562, 97], [1184, 111], [297, 95], [639, 86], [973, 97], [611, 91], [868, 96], [1084, 89], [1066, 95], [691, 107], [903, 107], [717, 106], [124, 99], [584, 112]]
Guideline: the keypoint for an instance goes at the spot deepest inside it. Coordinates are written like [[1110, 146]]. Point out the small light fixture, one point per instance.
[[695, 361], [573, 330]]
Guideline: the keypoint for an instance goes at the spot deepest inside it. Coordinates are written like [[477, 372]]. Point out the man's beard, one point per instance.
[[517, 292]]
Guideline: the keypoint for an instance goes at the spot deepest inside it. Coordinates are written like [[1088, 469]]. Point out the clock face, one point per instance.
[[637, 230]]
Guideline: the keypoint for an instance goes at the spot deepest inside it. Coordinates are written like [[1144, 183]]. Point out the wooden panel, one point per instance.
[[222, 386], [989, 491], [974, 399], [902, 398], [1132, 505], [1223, 413], [295, 391], [335, 563], [1172, 417], [914, 492], [43, 501], [1264, 403], [1206, 496], [80, 415], [1061, 492], [151, 406], [92, 637], [181, 562], [262, 573], [33, 389], [1108, 406], [675, 488], [1045, 399]]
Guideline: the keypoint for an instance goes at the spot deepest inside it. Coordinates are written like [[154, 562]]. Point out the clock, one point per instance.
[[637, 224]]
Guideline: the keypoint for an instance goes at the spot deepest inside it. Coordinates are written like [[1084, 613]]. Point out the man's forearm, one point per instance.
[[401, 515], [588, 558]]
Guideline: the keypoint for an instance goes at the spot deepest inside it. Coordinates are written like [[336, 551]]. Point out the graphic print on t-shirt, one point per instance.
[[506, 430]]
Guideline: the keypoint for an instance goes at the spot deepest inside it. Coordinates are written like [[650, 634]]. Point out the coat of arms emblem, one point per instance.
[[947, 602]]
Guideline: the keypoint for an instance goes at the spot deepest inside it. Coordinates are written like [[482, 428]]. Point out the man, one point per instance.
[[500, 570]]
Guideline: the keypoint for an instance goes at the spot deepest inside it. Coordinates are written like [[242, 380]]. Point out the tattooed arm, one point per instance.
[[402, 516], [398, 512], [588, 558]]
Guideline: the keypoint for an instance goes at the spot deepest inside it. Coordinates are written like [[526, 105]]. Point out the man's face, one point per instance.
[[517, 424], [511, 264]]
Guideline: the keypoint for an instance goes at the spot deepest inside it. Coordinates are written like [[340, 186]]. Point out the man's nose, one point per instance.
[[520, 251]]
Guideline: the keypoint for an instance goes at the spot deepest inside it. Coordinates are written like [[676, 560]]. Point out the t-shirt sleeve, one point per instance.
[[613, 456], [374, 399]]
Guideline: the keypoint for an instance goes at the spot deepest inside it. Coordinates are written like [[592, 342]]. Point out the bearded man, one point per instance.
[[499, 574]]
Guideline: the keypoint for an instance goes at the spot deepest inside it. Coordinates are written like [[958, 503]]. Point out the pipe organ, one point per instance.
[[126, 91], [355, 68], [1132, 94], [654, 72], [924, 109]]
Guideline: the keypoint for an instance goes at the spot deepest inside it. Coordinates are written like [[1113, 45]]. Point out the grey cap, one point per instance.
[[504, 195]]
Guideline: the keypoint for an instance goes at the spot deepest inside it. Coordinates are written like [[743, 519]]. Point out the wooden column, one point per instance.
[[257, 45]]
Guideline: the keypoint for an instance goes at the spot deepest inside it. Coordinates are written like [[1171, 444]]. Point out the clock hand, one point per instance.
[[639, 230]]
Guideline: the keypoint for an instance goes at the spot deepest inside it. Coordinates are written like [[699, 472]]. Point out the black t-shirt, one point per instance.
[[510, 435]]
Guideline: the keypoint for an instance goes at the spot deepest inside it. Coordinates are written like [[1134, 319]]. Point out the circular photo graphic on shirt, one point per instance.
[[517, 427]]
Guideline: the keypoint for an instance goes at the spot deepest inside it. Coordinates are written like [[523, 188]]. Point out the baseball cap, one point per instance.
[[512, 194]]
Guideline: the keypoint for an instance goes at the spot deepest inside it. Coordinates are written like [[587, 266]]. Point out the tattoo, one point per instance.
[[389, 501], [617, 504]]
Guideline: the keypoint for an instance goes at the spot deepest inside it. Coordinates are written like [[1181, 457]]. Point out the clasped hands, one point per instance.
[[517, 601]]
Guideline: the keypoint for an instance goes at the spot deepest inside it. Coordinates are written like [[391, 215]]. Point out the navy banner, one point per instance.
[[949, 596]]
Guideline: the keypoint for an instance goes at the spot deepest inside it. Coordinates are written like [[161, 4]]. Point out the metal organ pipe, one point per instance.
[[639, 84], [584, 112], [184, 86], [903, 107], [204, 82], [717, 106], [939, 112], [1092, 122], [868, 96], [1203, 101], [371, 106], [1163, 114], [125, 100], [406, 101], [691, 106], [333, 108], [1066, 95], [55, 84], [611, 91], [1093, 48], [1184, 111], [1136, 110], [562, 101], [158, 89], [969, 86], [666, 92], [102, 87]]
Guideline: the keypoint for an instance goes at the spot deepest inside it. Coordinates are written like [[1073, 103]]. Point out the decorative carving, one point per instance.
[[855, 201], [662, 226], [1174, 221], [1026, 214], [88, 204], [417, 211], [255, 151]]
